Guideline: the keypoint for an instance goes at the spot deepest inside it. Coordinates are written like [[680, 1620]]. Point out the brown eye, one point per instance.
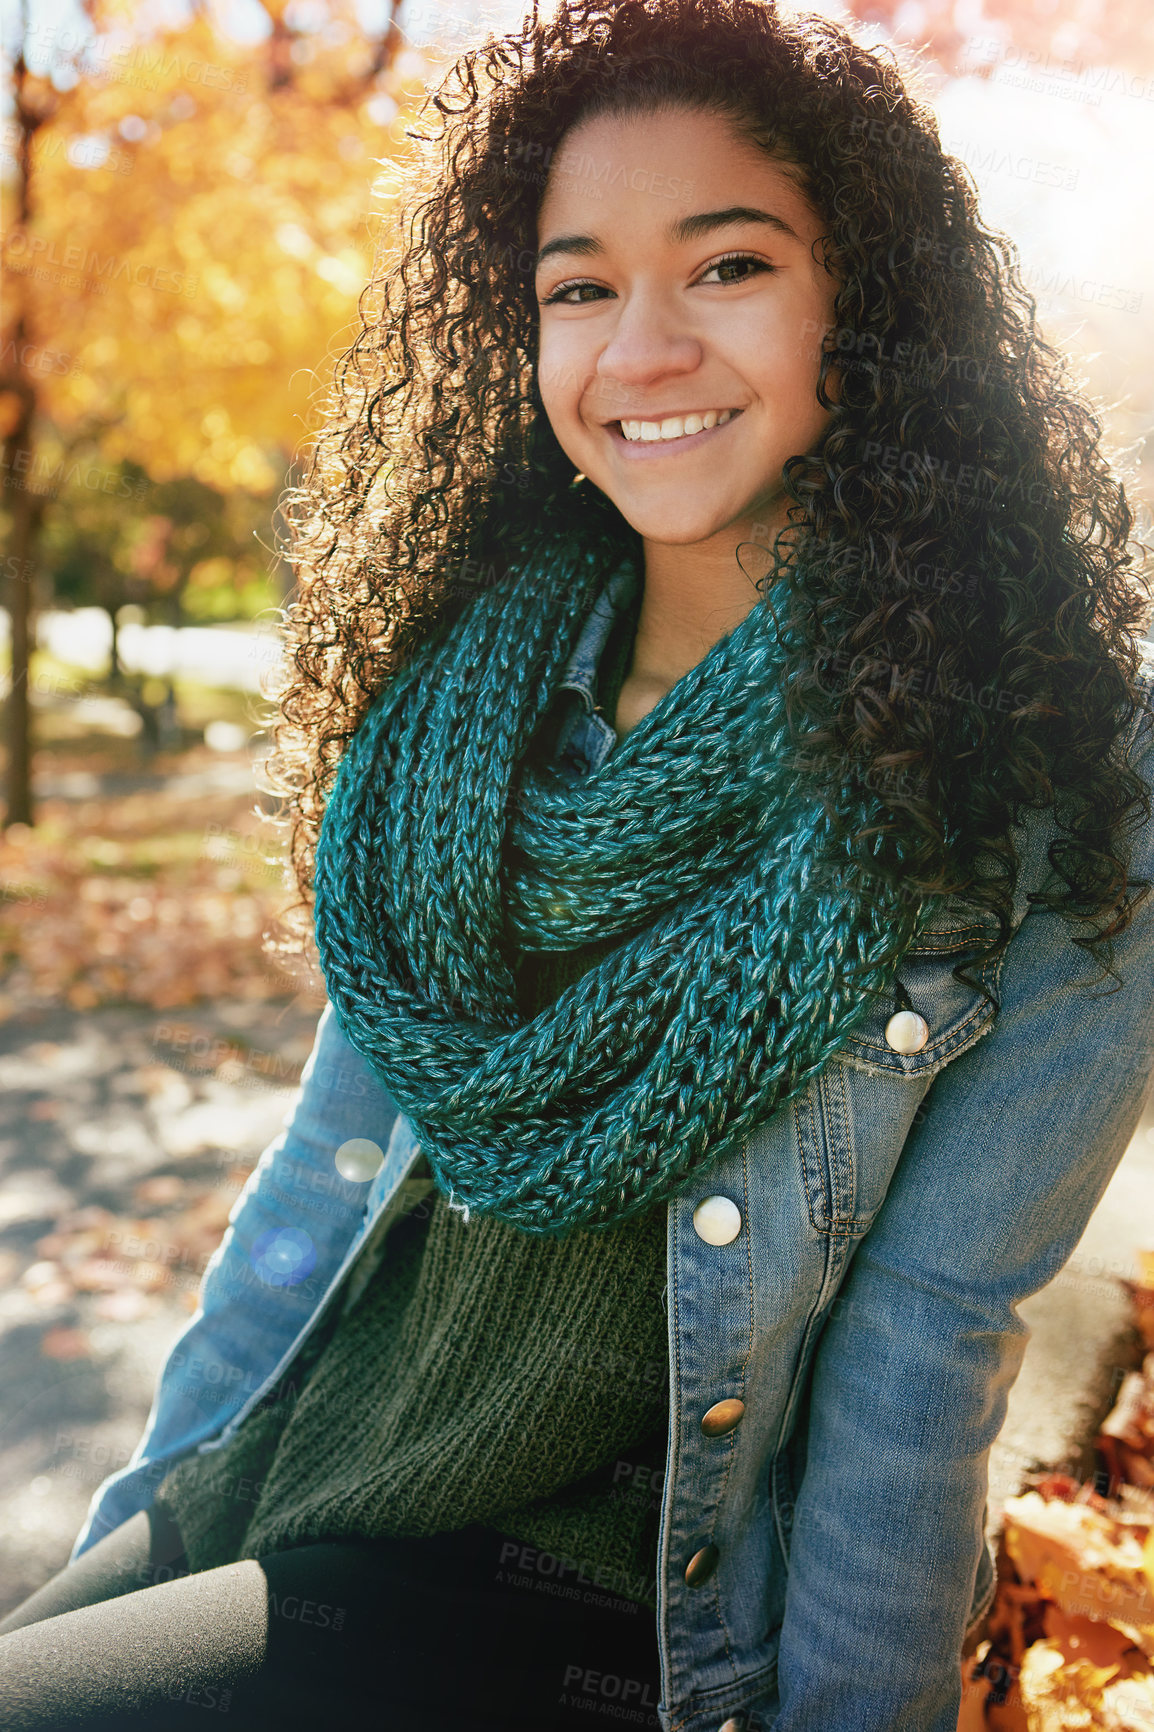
[[558, 295], [731, 259]]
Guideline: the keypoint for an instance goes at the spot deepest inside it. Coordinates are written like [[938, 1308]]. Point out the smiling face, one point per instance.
[[679, 338]]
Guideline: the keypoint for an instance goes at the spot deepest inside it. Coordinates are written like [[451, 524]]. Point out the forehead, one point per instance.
[[658, 164]]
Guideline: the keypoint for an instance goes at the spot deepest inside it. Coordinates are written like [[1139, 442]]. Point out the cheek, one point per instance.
[[558, 375], [796, 351], [777, 346]]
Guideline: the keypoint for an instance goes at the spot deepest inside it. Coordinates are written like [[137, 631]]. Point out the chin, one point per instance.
[[665, 530]]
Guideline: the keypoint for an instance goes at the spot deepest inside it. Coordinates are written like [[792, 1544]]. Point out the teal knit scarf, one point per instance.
[[443, 848]]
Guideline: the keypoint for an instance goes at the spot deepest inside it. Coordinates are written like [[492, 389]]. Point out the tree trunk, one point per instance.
[[25, 507], [115, 671], [18, 598]]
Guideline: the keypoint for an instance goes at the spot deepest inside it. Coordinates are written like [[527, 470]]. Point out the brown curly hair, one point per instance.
[[957, 558]]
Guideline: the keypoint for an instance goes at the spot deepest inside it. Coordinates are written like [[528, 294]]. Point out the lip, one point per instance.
[[640, 450]]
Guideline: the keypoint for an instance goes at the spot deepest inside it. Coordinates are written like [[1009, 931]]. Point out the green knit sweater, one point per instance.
[[482, 1375]]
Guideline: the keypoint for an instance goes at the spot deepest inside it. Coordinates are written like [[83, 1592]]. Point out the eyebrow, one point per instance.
[[688, 228]]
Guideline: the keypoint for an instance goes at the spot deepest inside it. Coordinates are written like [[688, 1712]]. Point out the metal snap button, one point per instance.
[[906, 1031], [717, 1220], [722, 1417], [701, 1566]]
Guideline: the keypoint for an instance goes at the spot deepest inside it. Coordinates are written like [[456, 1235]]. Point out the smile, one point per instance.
[[653, 438]]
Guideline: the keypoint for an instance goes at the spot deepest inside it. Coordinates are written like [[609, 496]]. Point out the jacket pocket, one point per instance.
[[954, 924], [852, 1120], [850, 1128], [956, 1014]]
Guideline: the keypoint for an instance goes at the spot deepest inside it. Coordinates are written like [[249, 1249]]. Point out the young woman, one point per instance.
[[718, 743]]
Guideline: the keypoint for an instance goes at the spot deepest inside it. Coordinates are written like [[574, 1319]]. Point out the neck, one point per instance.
[[692, 597]]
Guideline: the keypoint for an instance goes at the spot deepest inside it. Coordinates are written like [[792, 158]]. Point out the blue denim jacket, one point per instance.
[[861, 1311]]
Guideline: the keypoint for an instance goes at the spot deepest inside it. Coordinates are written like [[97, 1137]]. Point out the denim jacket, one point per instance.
[[843, 1331]]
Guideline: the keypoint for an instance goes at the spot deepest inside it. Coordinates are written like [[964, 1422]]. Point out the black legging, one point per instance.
[[469, 1631]]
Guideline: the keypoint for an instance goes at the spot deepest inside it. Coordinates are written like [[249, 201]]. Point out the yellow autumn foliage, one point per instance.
[[203, 222], [1061, 1697]]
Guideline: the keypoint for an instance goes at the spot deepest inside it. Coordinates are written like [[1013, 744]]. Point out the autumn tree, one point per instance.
[[187, 230]]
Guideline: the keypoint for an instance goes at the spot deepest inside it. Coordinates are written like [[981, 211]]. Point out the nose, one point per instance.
[[649, 342]]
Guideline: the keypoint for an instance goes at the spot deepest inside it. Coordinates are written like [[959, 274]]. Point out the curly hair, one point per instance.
[[956, 560]]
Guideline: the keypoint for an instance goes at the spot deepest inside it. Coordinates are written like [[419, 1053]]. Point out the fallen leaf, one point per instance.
[[65, 1344], [124, 1306], [165, 1188], [1088, 1563], [1095, 1643]]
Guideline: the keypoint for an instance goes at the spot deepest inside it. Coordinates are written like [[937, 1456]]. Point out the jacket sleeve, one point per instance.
[[289, 1232], [995, 1187]]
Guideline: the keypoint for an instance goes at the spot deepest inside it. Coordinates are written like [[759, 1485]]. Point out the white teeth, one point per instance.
[[675, 426]]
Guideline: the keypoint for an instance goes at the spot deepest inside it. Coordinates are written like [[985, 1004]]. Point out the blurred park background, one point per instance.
[[191, 198]]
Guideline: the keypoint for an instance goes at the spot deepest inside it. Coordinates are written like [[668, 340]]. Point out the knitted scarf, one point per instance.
[[738, 903]]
